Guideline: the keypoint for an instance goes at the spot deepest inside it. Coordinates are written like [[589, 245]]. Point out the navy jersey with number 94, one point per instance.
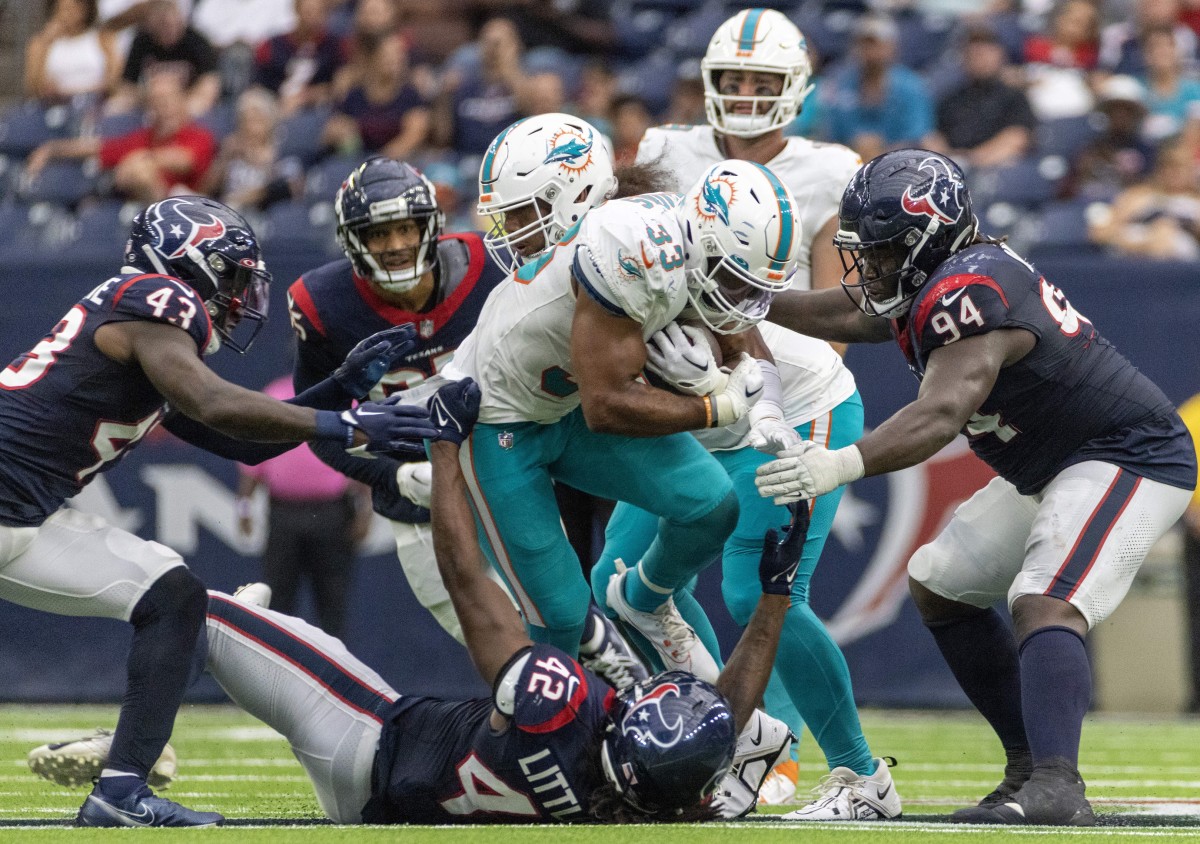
[[67, 411], [1072, 398]]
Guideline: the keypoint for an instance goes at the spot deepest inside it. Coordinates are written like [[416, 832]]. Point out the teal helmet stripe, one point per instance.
[[749, 27], [786, 222], [486, 177]]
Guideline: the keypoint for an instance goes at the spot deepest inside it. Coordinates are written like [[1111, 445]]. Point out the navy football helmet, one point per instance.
[[671, 740], [381, 190], [212, 248], [902, 215]]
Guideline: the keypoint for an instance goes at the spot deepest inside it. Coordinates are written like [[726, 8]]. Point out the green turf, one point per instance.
[[1143, 778]]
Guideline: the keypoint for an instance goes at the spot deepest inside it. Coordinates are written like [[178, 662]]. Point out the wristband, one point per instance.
[[708, 411], [330, 427]]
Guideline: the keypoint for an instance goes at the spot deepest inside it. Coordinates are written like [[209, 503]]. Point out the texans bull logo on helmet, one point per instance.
[[940, 197], [183, 224], [646, 721]]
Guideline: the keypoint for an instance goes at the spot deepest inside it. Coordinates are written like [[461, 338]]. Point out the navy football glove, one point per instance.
[[373, 358], [391, 427], [781, 560], [454, 409]]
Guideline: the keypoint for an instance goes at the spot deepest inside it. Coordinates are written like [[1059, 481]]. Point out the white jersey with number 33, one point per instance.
[[627, 253]]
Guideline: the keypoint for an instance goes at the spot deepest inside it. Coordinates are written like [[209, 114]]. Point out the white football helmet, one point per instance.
[[763, 41], [556, 166], [743, 240]]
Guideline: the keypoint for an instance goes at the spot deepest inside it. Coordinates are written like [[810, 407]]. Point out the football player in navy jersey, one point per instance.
[[85, 394], [552, 743], [1094, 463], [399, 268]]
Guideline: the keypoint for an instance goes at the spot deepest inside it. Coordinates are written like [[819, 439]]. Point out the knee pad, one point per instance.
[[178, 593]]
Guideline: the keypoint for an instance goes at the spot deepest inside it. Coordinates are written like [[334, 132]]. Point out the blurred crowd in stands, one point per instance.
[[1078, 120]]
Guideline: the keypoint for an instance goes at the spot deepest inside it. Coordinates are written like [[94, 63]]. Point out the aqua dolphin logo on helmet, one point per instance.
[[939, 197], [175, 225], [712, 202], [646, 721], [570, 149]]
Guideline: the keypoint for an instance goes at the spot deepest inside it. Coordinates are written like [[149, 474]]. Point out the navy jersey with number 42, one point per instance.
[[1072, 398], [443, 761], [67, 411]]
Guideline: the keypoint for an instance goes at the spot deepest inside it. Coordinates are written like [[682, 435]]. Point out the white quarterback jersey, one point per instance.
[[816, 173], [627, 253]]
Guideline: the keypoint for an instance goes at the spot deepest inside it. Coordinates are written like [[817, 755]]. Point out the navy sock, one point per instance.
[[982, 654], [166, 623], [118, 788], [1056, 689]]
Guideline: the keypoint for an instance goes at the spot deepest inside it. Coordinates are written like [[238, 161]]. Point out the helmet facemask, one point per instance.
[[423, 253], [767, 113], [239, 307], [505, 246], [725, 297]]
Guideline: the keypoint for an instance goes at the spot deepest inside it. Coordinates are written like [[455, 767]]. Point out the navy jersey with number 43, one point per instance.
[[67, 411], [1072, 398], [443, 762]]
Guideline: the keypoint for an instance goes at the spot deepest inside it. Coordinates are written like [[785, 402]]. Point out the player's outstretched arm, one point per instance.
[[827, 315], [744, 677], [491, 627]]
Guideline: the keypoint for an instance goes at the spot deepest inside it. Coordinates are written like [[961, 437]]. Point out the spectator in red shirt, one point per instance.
[[168, 155], [1073, 39]]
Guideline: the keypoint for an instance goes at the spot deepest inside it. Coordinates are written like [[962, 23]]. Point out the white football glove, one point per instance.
[[742, 389], [772, 435], [681, 356], [415, 481], [807, 471]]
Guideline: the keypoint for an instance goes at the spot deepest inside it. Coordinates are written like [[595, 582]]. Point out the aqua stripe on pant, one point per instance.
[[509, 470], [811, 682]]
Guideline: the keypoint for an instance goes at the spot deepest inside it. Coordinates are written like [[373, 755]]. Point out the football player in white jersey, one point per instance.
[[756, 74], [559, 356]]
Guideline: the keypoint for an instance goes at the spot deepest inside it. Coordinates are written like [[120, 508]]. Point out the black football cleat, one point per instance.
[[1053, 796]]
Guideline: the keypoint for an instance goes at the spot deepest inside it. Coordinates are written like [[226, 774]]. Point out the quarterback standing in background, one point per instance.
[[85, 394], [756, 75], [1094, 463]]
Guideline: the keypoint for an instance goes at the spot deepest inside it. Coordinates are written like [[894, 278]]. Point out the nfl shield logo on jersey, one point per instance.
[[505, 438], [425, 329]]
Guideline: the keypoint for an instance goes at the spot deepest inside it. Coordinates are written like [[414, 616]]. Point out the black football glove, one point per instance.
[[391, 427], [373, 358], [454, 409], [781, 560]]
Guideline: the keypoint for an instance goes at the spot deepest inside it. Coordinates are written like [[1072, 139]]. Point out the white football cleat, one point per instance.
[[779, 788], [764, 742], [847, 796], [674, 639], [79, 761], [258, 594]]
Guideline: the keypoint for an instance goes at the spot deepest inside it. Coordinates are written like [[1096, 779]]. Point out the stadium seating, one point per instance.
[[1066, 136], [28, 125], [62, 183], [300, 134]]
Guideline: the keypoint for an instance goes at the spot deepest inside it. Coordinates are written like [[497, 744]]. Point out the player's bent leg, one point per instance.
[[414, 550], [1094, 525], [508, 477], [305, 684]]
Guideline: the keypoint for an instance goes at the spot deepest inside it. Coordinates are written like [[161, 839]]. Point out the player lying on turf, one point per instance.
[[553, 742]]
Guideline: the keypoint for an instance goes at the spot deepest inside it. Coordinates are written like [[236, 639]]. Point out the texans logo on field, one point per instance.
[[181, 224], [939, 197], [908, 512]]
